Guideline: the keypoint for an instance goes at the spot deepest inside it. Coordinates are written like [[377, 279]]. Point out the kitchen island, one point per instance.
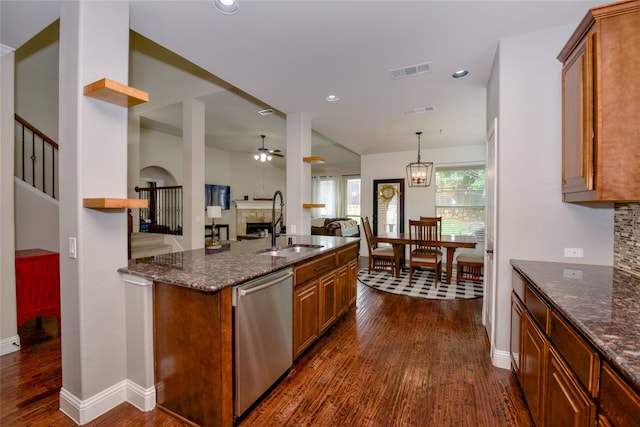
[[575, 342], [193, 314]]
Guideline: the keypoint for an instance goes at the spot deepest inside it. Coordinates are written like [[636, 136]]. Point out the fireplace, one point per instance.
[[254, 227]]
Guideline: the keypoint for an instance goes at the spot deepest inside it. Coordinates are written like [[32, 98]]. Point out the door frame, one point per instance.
[[400, 182]]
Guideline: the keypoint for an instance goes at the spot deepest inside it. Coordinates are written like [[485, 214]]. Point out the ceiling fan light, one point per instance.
[[228, 7], [256, 156]]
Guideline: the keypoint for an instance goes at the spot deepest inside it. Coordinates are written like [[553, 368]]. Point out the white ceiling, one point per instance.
[[291, 54]]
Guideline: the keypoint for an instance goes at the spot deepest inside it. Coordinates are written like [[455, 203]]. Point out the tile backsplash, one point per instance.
[[626, 239]]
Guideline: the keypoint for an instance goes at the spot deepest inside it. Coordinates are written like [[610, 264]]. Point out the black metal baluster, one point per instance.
[[44, 160], [33, 159]]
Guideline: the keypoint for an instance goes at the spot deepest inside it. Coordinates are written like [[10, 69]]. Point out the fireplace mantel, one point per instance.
[[254, 204]]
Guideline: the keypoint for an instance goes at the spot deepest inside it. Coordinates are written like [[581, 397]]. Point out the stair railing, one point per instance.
[[36, 157], [164, 214]]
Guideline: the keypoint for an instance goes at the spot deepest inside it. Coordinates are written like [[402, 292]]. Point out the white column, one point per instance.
[[193, 174], [9, 339], [94, 44], [133, 164], [298, 173]]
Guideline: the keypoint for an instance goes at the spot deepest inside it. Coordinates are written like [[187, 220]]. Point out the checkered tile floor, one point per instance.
[[422, 284]]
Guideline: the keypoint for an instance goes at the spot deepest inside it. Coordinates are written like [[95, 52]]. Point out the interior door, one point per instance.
[[490, 263], [388, 206]]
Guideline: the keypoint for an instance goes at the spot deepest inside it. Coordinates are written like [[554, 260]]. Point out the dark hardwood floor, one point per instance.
[[395, 361]]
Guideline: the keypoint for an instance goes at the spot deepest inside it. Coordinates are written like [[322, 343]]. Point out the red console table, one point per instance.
[[37, 284]]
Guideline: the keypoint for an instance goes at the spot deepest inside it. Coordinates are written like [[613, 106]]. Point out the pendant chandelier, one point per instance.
[[419, 173]]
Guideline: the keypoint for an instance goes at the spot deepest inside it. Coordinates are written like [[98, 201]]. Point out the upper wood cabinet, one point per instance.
[[601, 106]]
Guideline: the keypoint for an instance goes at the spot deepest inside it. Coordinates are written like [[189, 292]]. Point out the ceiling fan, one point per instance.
[[264, 154]]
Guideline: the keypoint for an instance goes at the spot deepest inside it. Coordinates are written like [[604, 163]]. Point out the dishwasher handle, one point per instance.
[[244, 292]]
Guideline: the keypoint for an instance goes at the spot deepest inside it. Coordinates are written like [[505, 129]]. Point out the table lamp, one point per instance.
[[214, 212]]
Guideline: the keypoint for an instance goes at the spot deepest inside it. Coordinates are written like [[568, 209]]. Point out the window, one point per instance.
[[460, 199], [352, 197]]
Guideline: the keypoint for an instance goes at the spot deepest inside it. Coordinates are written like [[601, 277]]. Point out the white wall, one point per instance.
[[533, 222], [418, 201], [8, 327], [161, 149], [37, 81], [37, 226]]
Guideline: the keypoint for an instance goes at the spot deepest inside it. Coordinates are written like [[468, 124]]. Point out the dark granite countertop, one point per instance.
[[235, 263], [602, 302]]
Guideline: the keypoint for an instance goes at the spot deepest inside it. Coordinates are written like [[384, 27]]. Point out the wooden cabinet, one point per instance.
[[324, 288], [564, 376], [532, 372], [306, 303], [328, 299], [566, 401], [601, 104], [517, 310], [619, 403]]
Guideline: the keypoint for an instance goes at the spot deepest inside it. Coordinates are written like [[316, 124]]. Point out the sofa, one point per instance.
[[333, 227]]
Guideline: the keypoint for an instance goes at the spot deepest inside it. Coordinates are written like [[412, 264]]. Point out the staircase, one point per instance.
[[148, 244]]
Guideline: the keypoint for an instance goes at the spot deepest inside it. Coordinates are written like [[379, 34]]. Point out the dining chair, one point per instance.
[[380, 259], [434, 218], [424, 247]]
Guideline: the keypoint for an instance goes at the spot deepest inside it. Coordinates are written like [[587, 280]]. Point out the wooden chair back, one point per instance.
[[438, 219], [424, 249]]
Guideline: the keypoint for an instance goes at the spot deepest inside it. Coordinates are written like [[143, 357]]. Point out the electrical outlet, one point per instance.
[[573, 252], [293, 229], [73, 248], [570, 273]]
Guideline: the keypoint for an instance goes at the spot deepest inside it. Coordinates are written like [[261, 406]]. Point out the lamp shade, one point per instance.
[[214, 212]]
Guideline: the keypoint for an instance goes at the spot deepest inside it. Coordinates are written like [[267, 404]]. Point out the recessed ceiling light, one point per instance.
[[460, 73], [333, 98], [228, 7]]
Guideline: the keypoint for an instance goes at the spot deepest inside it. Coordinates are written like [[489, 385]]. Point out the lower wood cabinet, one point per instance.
[[322, 294], [564, 379], [306, 303], [566, 401], [534, 347]]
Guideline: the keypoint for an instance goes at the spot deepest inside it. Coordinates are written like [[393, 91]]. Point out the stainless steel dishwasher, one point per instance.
[[263, 317]]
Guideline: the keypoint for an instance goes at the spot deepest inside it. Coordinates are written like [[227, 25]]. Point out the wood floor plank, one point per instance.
[[394, 361]]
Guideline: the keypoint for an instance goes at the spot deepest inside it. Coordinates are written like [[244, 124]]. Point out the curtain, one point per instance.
[[330, 191]]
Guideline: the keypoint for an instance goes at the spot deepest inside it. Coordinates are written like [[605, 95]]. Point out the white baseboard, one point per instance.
[[142, 398], [501, 359], [83, 411], [9, 345]]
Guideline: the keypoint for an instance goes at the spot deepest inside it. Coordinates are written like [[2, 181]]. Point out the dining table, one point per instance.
[[449, 241]]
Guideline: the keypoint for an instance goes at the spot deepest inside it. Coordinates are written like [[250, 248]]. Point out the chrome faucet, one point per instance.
[[273, 217]]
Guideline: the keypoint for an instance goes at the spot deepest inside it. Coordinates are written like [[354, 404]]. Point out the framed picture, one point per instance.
[[217, 195]]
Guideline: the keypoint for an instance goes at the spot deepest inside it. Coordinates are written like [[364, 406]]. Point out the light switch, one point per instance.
[[73, 251]]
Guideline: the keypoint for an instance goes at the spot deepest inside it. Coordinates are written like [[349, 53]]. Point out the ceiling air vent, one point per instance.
[[412, 70], [265, 112], [420, 110]]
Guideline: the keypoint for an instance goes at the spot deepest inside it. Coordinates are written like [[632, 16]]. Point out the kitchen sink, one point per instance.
[[290, 250]]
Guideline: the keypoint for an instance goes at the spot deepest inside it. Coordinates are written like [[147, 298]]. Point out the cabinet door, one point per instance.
[[328, 294], [619, 403], [577, 114], [534, 350], [516, 333], [352, 282], [342, 282], [306, 302], [566, 401]]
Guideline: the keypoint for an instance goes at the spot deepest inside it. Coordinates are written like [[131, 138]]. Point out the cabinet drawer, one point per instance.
[[346, 255], [538, 308], [619, 403], [579, 355], [518, 284], [315, 268]]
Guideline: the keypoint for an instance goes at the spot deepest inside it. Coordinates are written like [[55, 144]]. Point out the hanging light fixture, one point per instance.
[[419, 173], [263, 154]]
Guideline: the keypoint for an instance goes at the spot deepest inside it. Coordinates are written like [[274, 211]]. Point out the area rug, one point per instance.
[[422, 286]]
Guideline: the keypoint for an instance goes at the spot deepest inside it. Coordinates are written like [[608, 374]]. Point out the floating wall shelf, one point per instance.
[[312, 205], [105, 203], [314, 159], [116, 93]]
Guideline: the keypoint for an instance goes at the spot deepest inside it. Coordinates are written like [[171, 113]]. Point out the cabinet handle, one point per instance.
[[489, 251], [322, 267]]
